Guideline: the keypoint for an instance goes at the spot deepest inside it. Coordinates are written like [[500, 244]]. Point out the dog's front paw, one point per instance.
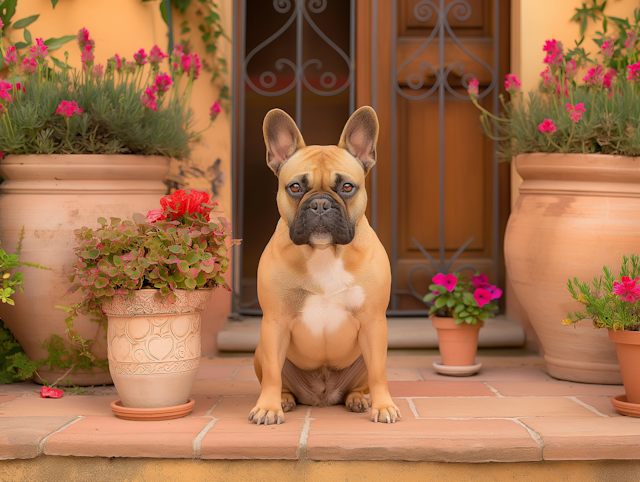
[[266, 416], [385, 413], [287, 401]]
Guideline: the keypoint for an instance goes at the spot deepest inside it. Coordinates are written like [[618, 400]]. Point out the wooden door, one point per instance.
[[406, 43]]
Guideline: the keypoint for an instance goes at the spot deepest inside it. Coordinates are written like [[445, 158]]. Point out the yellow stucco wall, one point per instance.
[[533, 22], [123, 27]]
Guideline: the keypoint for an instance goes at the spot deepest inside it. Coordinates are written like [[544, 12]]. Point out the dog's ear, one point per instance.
[[360, 136], [282, 137]]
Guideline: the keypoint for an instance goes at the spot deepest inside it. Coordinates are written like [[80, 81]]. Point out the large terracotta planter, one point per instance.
[[154, 347], [627, 345], [458, 344], [51, 196], [575, 213]]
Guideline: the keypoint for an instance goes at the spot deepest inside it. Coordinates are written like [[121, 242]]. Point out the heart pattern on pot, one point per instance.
[[119, 349], [160, 347]]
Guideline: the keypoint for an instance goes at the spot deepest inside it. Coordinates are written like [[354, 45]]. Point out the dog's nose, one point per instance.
[[320, 205]]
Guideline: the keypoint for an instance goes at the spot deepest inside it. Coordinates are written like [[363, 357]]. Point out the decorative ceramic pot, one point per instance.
[[458, 343], [154, 346], [51, 196], [627, 345], [575, 213]]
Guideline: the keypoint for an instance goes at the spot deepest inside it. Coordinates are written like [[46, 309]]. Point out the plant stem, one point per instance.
[[593, 103], [554, 144], [65, 374], [482, 109], [573, 127]]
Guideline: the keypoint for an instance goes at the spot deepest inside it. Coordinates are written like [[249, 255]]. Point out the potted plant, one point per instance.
[[575, 145], [152, 277], [79, 143], [614, 303], [460, 307]]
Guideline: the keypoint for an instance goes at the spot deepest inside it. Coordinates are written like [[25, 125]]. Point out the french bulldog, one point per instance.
[[324, 278]]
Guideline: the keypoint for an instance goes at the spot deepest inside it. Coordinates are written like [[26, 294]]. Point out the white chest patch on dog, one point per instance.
[[332, 293]]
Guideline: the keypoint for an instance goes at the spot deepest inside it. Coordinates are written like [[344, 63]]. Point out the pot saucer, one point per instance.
[[163, 413], [453, 371], [625, 408]]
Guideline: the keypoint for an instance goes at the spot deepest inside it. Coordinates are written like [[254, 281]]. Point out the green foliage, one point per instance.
[[459, 303], [9, 347], [603, 306]]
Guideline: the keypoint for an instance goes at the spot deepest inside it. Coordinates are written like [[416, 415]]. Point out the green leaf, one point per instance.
[[54, 3], [25, 22], [93, 253], [175, 248], [440, 302], [451, 302], [183, 266], [463, 314], [101, 282], [190, 283], [163, 12], [61, 65], [21, 45], [192, 257], [27, 36], [9, 9]]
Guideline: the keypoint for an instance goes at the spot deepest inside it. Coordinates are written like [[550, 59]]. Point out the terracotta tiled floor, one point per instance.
[[511, 411]]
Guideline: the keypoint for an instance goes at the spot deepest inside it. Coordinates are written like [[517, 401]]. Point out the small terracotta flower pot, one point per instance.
[[458, 344], [628, 350]]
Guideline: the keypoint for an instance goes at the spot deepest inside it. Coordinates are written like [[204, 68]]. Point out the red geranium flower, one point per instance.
[[186, 202]]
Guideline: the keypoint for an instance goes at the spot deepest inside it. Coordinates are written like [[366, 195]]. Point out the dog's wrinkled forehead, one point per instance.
[[321, 168]]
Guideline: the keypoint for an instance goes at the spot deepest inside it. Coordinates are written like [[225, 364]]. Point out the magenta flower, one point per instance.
[[140, 57], [547, 127], [631, 40], [495, 292], [214, 110], [551, 84], [11, 57], [480, 281], [156, 55], [119, 62], [633, 72], [130, 67], [177, 56], [627, 289], [149, 98], [608, 78], [84, 39], [68, 108], [607, 49], [575, 112], [87, 57], [594, 77], [155, 215], [448, 281], [29, 66], [512, 84], [98, 70], [473, 89], [191, 64], [554, 55], [1, 23], [39, 50], [4, 94], [482, 296], [163, 82]]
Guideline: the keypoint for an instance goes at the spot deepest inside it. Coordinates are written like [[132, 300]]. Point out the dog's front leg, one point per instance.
[[270, 356], [372, 338]]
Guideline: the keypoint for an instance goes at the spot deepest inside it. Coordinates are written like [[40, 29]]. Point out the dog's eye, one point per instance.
[[295, 188], [347, 187]]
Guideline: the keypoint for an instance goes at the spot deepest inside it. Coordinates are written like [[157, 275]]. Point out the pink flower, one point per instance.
[[39, 50], [130, 67], [495, 292], [607, 49], [482, 296], [594, 77], [155, 215], [473, 89], [83, 39], [140, 57], [4, 93], [575, 112], [572, 69], [191, 64], [608, 78], [118, 62], [634, 72], [480, 281], [156, 55], [11, 57], [449, 281], [48, 392], [177, 56], [87, 57], [631, 40], [149, 98], [1, 23], [512, 84], [29, 66], [68, 108], [163, 82], [547, 127], [554, 55], [627, 289], [214, 110], [98, 70]]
